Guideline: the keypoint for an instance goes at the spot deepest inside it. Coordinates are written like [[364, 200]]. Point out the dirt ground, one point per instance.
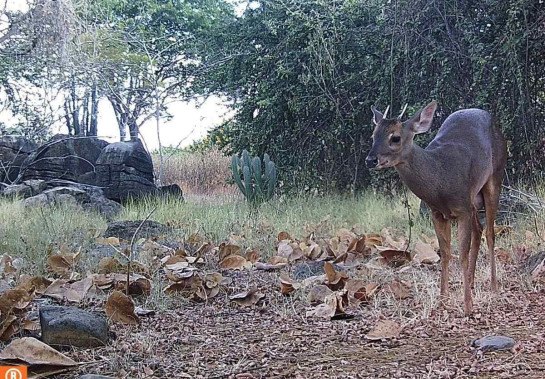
[[275, 339]]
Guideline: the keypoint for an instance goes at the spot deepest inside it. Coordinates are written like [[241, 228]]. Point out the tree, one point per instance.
[[302, 76]]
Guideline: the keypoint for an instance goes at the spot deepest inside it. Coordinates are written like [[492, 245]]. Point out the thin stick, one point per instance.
[[131, 251]]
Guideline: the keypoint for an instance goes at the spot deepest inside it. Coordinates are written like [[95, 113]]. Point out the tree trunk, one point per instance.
[[93, 128]]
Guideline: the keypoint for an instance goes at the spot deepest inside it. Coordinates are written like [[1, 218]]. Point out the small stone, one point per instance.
[[69, 326], [493, 343], [93, 376]]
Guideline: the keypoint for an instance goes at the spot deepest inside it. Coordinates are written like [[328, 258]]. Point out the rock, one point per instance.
[[125, 170], [26, 189], [69, 326], [126, 229], [304, 270], [13, 152], [93, 376], [90, 198], [171, 190], [493, 343], [533, 261], [63, 157]]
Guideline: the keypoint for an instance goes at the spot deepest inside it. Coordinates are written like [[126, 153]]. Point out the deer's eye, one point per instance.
[[395, 139]]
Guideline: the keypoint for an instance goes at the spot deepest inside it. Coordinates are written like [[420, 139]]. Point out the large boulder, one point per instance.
[[63, 157], [13, 152], [90, 198], [124, 170]]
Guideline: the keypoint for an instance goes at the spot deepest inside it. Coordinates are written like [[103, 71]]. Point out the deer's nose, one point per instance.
[[371, 161]]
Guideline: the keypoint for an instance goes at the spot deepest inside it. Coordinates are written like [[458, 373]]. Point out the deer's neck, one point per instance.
[[419, 171]]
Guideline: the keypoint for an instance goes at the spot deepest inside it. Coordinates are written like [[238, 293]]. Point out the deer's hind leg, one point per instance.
[[476, 234], [491, 193]]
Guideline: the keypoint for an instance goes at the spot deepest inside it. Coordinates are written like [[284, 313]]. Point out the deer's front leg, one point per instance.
[[465, 226], [443, 231]]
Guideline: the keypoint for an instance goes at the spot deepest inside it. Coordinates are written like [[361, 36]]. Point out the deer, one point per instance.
[[459, 172]]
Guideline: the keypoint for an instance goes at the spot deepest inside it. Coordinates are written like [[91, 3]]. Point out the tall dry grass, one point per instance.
[[197, 173]]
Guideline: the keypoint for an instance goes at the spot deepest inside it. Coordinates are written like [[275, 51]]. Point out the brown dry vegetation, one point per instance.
[[197, 173]]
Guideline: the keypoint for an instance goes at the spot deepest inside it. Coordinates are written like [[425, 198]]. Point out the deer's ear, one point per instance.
[[377, 116], [421, 121]]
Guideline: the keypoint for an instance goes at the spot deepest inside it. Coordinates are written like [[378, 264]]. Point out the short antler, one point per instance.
[[402, 112], [386, 112]]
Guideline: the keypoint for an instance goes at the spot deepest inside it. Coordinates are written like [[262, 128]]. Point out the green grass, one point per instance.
[[298, 216], [31, 233]]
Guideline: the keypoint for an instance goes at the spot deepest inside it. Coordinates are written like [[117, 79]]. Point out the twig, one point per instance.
[[131, 251]]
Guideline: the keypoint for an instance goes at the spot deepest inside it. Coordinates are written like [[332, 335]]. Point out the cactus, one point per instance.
[[256, 181]]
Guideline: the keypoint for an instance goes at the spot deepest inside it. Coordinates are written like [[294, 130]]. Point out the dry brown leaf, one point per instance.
[[314, 251], [62, 289], [287, 285], [384, 329], [120, 308], [31, 325], [113, 241], [283, 236], [34, 352], [195, 239], [7, 268], [33, 283], [377, 263], [225, 250], [395, 243], [268, 267], [360, 291], [205, 248], [318, 293], [425, 253], [108, 265], [373, 239], [252, 256], [247, 298], [62, 264], [335, 279], [234, 262], [9, 326], [399, 289], [14, 299], [174, 259], [503, 255], [332, 307], [276, 259], [393, 257], [138, 287], [500, 230], [185, 287]]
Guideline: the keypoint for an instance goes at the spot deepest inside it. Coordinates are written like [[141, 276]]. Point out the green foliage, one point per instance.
[[256, 184], [302, 76]]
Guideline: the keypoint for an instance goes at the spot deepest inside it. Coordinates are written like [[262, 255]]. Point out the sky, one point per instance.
[[190, 121]]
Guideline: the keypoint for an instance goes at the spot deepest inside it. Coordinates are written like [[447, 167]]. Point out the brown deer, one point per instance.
[[460, 171]]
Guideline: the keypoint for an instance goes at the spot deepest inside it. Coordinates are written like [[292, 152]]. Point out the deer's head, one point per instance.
[[393, 139]]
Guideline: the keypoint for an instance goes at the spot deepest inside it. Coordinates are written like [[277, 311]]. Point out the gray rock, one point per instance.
[[26, 189], [533, 261], [63, 157], [304, 270], [13, 152], [124, 170], [172, 190], [69, 326], [493, 343], [90, 198], [126, 229], [93, 376]]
